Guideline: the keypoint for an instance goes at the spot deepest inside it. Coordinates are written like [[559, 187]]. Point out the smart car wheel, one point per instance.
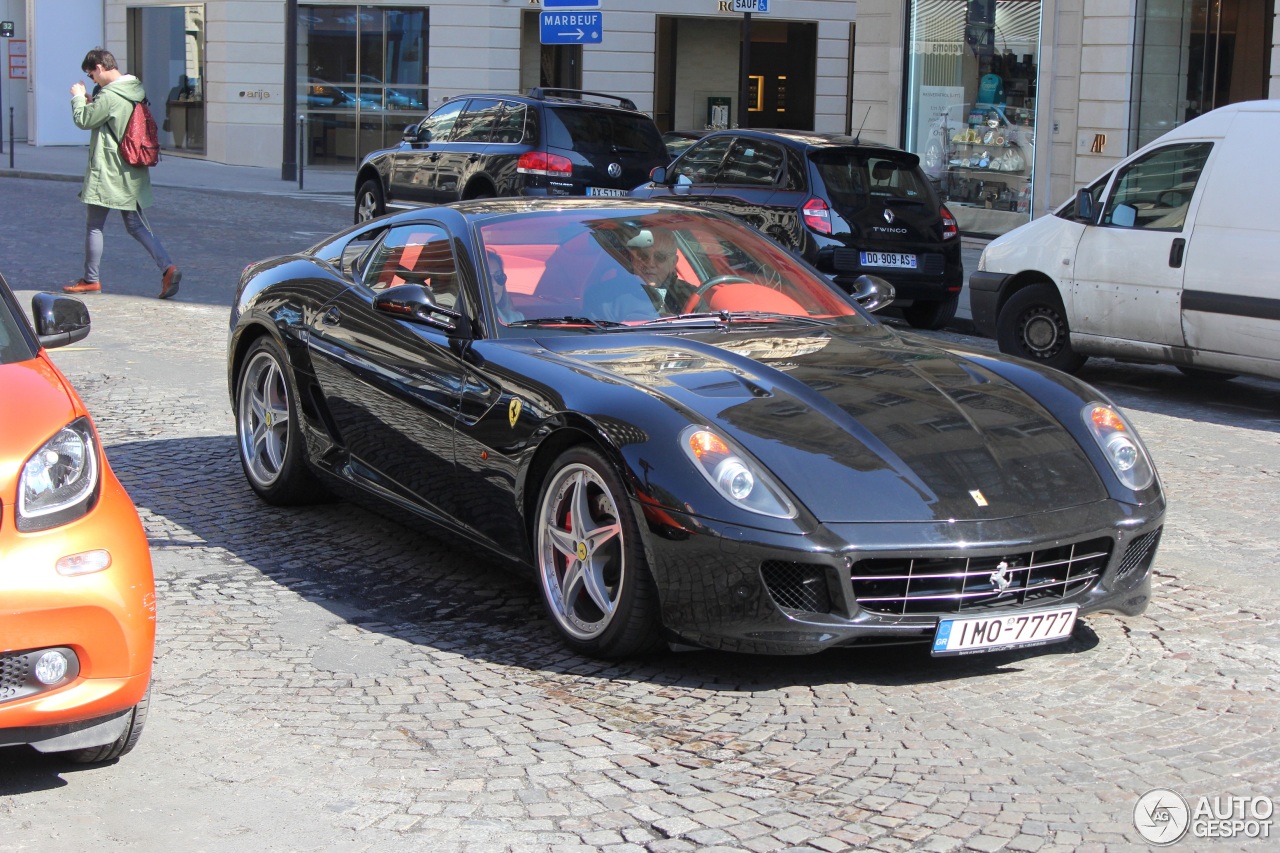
[[271, 445], [369, 201], [931, 314], [591, 567], [121, 745], [1033, 325]]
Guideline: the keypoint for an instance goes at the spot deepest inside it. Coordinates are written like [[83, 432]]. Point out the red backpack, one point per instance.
[[140, 145]]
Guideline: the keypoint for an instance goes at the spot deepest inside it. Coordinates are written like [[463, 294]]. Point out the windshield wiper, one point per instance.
[[567, 321], [725, 317]]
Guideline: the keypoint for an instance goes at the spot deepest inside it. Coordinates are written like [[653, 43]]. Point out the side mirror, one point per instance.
[[59, 320], [658, 174], [1084, 206], [873, 293], [413, 135], [415, 303], [1124, 215]]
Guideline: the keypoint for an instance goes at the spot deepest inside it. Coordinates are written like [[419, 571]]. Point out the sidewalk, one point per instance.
[[67, 162]]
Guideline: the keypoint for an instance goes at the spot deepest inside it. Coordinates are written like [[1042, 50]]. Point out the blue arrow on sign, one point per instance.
[[571, 27]]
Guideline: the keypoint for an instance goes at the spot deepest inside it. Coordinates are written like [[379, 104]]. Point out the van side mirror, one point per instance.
[[1084, 206], [658, 174]]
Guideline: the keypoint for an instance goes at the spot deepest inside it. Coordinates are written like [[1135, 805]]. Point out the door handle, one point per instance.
[[1175, 252], [331, 317]]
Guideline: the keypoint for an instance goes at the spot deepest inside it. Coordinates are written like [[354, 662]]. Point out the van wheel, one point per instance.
[[369, 202], [932, 314], [1199, 373], [1033, 325]]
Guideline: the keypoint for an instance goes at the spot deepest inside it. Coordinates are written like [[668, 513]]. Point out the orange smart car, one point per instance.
[[77, 597]]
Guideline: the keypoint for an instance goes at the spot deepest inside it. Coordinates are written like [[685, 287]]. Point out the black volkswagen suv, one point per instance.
[[549, 142], [848, 207]]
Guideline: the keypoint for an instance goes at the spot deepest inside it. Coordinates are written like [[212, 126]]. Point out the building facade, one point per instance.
[[1011, 104]]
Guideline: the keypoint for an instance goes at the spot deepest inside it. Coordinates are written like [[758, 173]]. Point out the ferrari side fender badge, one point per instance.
[[513, 411], [978, 497]]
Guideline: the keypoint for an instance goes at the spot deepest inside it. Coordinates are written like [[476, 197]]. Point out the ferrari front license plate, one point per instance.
[[607, 193], [888, 259], [987, 633]]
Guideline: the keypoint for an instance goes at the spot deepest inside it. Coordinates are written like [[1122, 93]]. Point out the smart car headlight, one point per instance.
[[734, 475], [1121, 445], [59, 482]]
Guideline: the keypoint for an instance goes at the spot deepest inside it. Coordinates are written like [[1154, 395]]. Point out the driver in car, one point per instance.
[[653, 259]]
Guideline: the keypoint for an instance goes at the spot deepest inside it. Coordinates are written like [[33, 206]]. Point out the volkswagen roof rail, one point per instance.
[[539, 93]]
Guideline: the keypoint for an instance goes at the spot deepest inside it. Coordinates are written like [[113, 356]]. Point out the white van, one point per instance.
[[1172, 257]]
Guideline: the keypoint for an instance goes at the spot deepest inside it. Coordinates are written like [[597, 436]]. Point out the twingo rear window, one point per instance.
[[853, 177], [601, 130]]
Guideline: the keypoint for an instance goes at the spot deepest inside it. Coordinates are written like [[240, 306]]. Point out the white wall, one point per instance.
[[61, 32]]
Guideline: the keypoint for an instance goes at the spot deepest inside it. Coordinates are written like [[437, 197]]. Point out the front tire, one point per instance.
[[932, 314], [592, 572], [370, 203], [121, 745], [272, 449], [1033, 325]]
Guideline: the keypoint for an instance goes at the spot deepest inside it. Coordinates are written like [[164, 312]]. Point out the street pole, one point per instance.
[[744, 85], [289, 168]]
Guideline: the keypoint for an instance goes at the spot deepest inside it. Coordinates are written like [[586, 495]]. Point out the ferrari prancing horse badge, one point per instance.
[[513, 411]]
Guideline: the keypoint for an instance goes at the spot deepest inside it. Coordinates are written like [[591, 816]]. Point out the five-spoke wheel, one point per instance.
[[591, 568], [271, 450]]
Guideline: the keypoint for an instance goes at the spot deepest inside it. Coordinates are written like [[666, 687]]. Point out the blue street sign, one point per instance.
[[570, 4], [571, 27], [760, 7]]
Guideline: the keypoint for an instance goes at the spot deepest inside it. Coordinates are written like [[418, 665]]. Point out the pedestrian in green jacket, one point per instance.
[[109, 182]]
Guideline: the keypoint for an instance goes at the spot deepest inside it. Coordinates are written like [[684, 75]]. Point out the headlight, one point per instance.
[[736, 477], [1121, 445], [982, 261], [59, 482]]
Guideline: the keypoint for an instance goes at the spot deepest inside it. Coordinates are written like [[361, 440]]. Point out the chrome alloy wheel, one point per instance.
[[581, 551], [263, 418]]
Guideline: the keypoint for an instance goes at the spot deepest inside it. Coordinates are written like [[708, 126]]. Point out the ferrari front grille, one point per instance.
[[797, 586], [904, 585], [1140, 554]]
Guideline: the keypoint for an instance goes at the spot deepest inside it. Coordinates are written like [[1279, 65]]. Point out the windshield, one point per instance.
[[13, 344], [619, 268]]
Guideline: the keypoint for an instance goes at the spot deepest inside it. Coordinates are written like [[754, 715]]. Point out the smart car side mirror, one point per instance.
[[415, 303], [873, 293], [59, 320]]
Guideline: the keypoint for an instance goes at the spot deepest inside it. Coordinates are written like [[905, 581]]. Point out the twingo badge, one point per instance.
[[513, 411]]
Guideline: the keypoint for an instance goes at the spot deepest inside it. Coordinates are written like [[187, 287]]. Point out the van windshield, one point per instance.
[[853, 177]]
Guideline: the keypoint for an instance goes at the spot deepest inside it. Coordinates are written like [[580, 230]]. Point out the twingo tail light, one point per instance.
[[817, 216]]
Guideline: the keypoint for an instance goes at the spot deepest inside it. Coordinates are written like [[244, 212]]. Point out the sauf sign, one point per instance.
[[757, 6]]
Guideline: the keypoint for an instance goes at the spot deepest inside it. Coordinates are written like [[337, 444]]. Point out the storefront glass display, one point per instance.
[[970, 106], [362, 78], [166, 51]]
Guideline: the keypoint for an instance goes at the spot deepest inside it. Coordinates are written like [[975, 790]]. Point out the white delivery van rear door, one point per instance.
[[1129, 267], [1232, 299]]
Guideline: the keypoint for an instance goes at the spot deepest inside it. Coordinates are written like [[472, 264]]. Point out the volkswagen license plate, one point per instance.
[[603, 191], [888, 259], [1015, 630]]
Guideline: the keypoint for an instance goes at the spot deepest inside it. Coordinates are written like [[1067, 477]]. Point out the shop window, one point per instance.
[[166, 50], [970, 106], [362, 78]]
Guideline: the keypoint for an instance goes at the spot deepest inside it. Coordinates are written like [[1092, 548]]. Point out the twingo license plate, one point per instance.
[[888, 259], [608, 193], [987, 633]]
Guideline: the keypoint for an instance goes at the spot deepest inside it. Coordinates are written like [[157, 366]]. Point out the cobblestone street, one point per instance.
[[326, 680]]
